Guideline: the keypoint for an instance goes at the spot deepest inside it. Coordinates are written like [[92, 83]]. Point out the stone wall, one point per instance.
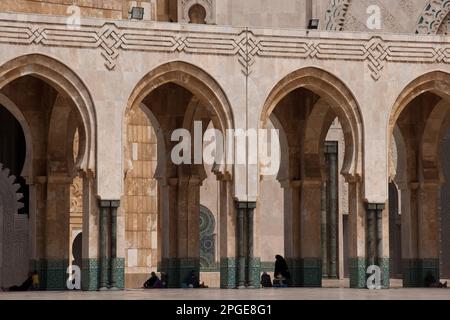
[[140, 201]]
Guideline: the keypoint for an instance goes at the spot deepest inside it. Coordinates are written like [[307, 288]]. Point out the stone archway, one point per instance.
[[424, 105], [52, 166], [324, 98], [174, 95]]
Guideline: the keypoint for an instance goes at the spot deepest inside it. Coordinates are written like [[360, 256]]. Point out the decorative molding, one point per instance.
[[335, 14], [185, 5], [112, 38], [433, 16]]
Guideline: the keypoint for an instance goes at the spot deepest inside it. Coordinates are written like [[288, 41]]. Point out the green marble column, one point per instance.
[[254, 264], [116, 265], [371, 225], [324, 230], [228, 273], [333, 213], [103, 252], [375, 241], [241, 208]]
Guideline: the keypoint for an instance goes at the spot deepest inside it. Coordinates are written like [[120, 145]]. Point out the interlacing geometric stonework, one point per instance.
[[335, 15], [247, 45], [433, 16]]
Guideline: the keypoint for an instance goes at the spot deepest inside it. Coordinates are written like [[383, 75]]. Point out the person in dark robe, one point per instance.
[[266, 281], [281, 268], [192, 280], [25, 286], [431, 282], [150, 283]]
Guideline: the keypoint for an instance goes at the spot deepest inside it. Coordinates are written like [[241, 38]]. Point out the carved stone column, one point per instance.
[[254, 263], [90, 262], [57, 232], [357, 234], [292, 191], [228, 266], [241, 260], [310, 232], [429, 230], [117, 265], [377, 222], [104, 247], [169, 227]]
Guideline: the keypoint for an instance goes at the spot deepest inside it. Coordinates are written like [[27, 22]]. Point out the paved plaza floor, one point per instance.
[[245, 294]]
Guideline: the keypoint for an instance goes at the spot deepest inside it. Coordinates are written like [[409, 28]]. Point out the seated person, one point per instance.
[[266, 281], [192, 280], [150, 283], [431, 282], [25, 286]]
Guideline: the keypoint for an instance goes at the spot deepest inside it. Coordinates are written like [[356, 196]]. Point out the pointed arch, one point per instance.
[[193, 79], [66, 82], [341, 100]]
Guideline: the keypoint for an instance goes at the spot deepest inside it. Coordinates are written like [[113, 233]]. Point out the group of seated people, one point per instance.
[[281, 275], [191, 281]]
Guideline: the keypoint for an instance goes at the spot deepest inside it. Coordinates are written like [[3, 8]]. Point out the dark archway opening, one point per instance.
[[13, 153]]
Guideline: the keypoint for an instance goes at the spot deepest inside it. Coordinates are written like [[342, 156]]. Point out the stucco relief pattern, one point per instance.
[[433, 16], [335, 14], [246, 45]]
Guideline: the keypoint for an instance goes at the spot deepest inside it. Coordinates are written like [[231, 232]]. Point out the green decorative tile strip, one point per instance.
[[228, 270], [295, 268], [118, 273], [384, 264], [178, 270], [90, 275], [358, 276], [311, 272], [254, 272]]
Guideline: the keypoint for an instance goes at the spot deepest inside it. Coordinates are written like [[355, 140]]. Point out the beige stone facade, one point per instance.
[[362, 115]]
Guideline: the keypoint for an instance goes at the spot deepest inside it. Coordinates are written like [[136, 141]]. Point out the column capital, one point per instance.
[[245, 205], [104, 203], [375, 206], [115, 203]]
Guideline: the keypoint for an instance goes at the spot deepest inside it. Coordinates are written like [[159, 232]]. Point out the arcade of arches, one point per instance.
[[88, 183], [183, 218]]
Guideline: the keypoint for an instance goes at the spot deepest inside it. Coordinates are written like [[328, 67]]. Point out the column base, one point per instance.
[[295, 269], [117, 274], [385, 266], [228, 273], [358, 275], [416, 270], [90, 274], [178, 269], [254, 273]]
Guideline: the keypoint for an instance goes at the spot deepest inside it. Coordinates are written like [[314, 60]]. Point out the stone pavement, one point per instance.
[[217, 294]]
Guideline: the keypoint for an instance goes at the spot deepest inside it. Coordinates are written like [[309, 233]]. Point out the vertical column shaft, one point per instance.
[[103, 252], [241, 249]]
